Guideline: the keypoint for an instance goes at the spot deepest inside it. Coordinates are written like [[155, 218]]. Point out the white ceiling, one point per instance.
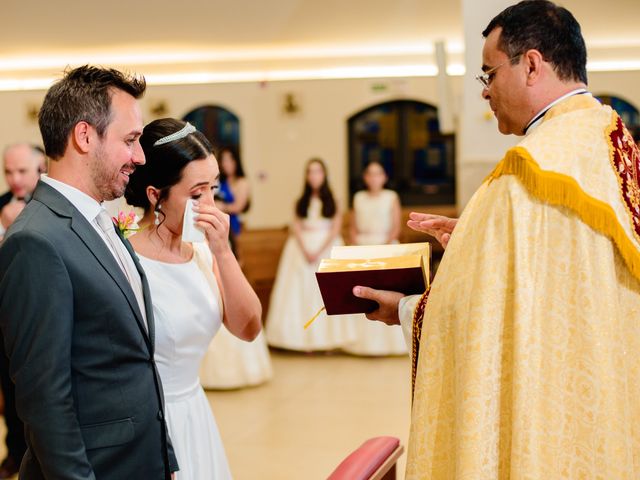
[[235, 34]]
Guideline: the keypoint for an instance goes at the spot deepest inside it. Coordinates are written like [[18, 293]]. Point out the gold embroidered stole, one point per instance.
[[416, 333]]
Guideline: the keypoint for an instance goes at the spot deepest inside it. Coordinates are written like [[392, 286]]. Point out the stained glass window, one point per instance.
[[404, 136], [219, 125]]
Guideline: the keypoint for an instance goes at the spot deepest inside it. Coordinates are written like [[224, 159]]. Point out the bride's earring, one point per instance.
[[157, 215]]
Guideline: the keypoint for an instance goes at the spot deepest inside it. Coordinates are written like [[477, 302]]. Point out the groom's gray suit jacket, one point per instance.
[[87, 387]]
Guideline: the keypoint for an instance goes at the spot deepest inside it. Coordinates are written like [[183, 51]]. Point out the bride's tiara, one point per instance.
[[183, 132]]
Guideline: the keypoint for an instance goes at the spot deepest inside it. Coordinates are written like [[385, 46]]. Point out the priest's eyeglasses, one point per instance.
[[487, 77]]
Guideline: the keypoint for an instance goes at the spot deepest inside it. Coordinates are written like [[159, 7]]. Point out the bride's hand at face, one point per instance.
[[215, 224]]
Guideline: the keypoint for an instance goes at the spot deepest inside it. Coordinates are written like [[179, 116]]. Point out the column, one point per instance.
[[479, 144]]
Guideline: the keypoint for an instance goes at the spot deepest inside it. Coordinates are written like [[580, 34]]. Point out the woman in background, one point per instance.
[[375, 221], [230, 362], [295, 297], [195, 287], [234, 194]]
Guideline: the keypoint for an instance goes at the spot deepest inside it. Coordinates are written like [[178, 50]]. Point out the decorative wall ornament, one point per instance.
[[159, 108], [32, 112], [291, 105]]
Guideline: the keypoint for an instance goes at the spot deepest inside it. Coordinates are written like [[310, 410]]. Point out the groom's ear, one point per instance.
[[81, 136]]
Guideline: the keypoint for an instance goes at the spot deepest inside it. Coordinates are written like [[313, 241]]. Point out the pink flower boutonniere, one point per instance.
[[127, 223]]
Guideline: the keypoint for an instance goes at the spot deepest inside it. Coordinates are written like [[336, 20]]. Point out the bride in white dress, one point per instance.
[[375, 221], [190, 283], [295, 297]]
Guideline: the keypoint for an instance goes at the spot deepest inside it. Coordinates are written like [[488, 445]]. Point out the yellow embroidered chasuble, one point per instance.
[[529, 361]]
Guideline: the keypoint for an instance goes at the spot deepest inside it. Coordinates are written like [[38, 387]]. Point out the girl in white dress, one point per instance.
[[190, 283], [375, 221], [295, 297]]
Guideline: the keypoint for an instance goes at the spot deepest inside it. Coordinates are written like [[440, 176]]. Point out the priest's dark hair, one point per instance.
[[164, 163], [548, 28], [324, 192]]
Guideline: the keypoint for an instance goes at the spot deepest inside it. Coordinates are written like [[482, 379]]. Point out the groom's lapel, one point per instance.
[[104, 256], [145, 290], [81, 227], [102, 253]]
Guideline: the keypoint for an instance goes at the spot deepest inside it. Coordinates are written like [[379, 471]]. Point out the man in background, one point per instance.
[[23, 164]]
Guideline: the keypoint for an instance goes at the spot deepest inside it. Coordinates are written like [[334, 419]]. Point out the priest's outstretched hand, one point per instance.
[[437, 226]]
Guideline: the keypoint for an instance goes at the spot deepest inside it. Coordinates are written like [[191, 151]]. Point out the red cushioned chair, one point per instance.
[[375, 459]]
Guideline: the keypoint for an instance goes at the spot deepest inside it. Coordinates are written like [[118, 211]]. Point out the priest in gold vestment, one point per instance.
[[527, 347]]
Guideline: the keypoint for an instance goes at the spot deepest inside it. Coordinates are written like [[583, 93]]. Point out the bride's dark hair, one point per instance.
[[164, 163]]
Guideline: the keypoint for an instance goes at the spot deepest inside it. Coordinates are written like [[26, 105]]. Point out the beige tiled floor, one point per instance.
[[316, 410], [312, 414]]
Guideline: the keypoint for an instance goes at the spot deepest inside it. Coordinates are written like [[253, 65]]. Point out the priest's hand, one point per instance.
[[437, 226], [387, 311]]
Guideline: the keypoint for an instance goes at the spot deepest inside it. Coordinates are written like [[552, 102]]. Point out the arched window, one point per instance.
[[219, 125], [404, 135]]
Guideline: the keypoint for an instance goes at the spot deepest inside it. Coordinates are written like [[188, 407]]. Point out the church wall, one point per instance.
[[275, 144]]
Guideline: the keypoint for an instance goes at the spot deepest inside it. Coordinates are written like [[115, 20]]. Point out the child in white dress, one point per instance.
[[295, 297], [375, 221], [195, 287]]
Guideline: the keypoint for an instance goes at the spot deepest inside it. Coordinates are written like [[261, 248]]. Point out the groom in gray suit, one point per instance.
[[75, 308]]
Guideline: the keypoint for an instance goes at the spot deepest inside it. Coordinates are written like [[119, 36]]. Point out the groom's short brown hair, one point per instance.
[[83, 94]]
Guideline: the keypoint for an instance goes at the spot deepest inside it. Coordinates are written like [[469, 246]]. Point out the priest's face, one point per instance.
[[506, 90]]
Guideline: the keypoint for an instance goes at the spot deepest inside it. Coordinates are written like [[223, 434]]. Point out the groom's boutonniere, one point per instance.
[[127, 223]]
